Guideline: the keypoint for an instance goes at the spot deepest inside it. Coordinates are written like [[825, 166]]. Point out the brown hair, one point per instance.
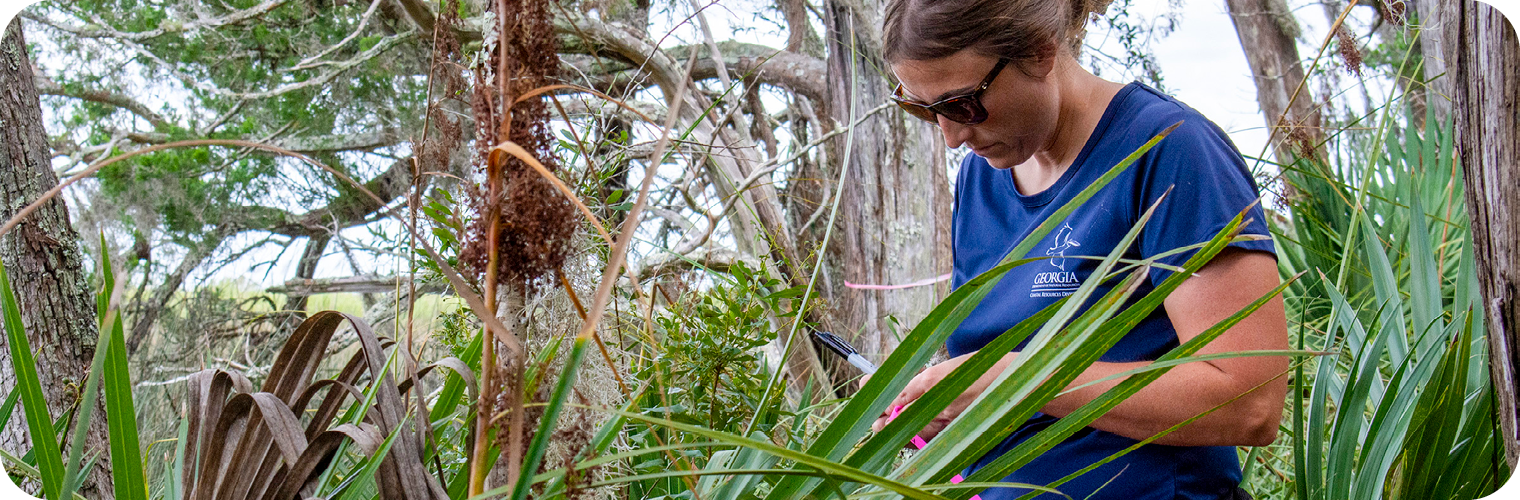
[[1018, 30]]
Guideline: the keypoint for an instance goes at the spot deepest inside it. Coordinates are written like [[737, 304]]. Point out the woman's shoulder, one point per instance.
[[1147, 112]]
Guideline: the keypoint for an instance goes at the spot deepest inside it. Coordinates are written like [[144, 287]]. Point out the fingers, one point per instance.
[[861, 382], [881, 422], [932, 429], [916, 387]]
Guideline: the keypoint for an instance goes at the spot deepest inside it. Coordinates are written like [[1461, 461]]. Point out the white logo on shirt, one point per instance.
[[1057, 283], [1058, 250]]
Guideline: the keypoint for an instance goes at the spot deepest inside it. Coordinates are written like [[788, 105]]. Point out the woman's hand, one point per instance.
[[932, 375]]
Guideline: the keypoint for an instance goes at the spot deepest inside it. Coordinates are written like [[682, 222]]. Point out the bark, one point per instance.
[[45, 264], [894, 216], [1267, 31], [1485, 70]]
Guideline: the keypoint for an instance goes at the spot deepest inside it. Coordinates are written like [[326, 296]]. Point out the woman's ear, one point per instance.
[[1046, 63], [1040, 67]]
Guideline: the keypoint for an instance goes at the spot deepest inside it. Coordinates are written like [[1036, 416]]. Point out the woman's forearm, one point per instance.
[[1186, 391]]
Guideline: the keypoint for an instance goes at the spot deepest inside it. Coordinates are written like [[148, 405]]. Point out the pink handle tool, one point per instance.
[[919, 443]]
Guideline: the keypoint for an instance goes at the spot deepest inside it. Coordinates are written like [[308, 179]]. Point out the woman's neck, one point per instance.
[[1083, 97]]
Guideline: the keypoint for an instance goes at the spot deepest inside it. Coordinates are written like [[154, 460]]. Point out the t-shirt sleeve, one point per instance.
[[1209, 184]]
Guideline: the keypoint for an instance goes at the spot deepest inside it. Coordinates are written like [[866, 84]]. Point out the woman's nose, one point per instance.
[[955, 133]]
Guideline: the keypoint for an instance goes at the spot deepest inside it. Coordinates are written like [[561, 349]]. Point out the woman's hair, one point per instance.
[[1018, 30]]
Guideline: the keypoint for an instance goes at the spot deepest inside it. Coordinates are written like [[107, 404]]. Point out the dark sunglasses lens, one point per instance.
[[918, 111], [964, 110]]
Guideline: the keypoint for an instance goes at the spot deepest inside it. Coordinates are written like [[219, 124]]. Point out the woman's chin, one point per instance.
[[1001, 162]]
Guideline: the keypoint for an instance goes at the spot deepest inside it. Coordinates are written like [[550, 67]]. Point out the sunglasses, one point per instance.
[[965, 108]]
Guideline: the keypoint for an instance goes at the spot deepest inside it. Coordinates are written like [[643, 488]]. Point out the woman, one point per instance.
[[1002, 79]]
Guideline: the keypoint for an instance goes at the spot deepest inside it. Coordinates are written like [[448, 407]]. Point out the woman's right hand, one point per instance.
[[926, 379]]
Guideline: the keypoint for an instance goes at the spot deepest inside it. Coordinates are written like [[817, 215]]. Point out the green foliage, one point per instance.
[[127, 474], [705, 370], [710, 347], [1395, 296], [239, 77]]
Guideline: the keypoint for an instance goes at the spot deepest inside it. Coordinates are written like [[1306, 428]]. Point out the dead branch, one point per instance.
[[718, 260], [351, 284]]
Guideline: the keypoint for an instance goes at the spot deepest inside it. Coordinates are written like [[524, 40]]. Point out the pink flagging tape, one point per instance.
[[919, 443], [922, 282]]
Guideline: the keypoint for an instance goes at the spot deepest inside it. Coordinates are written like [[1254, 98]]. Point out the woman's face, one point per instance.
[[1022, 111]]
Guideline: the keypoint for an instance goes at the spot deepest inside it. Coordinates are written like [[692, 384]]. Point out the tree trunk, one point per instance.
[[1436, 28], [1485, 70], [165, 292], [894, 214], [1267, 31], [306, 268], [45, 265]]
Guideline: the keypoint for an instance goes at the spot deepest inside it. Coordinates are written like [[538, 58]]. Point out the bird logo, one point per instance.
[[1063, 242]]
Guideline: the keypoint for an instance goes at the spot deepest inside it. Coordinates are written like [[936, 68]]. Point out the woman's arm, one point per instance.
[[1233, 280]]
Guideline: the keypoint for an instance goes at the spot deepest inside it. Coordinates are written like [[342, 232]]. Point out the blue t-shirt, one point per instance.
[[1210, 185]]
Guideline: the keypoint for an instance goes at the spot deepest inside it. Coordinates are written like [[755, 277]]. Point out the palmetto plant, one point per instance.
[[1406, 409], [281, 441]]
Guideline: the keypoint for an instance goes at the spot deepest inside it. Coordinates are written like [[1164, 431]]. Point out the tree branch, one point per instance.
[[380, 47], [716, 260], [757, 63], [419, 13], [46, 86], [363, 141], [351, 284], [164, 28]]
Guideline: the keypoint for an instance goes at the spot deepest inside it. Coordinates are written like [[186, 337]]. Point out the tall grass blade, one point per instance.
[[1058, 354], [1424, 278], [127, 474], [819, 466], [173, 485], [39, 423], [550, 419], [1351, 414], [1432, 435], [1299, 443], [1138, 379], [1324, 379], [72, 475], [9, 406], [885, 445]]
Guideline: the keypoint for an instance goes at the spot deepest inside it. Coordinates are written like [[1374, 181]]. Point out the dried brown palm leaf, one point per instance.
[[251, 445]]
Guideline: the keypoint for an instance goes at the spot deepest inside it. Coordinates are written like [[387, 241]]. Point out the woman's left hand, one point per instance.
[[932, 375]]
